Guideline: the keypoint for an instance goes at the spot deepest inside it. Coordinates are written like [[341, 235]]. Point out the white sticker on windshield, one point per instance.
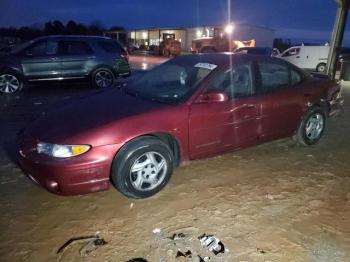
[[206, 66]]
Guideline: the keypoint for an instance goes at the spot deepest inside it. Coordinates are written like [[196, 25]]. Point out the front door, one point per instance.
[[39, 61], [217, 127]]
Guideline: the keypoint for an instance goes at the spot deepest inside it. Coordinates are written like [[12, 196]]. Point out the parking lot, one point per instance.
[[274, 202]]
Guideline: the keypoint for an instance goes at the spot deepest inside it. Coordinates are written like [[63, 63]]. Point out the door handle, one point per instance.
[[297, 56], [54, 58], [91, 57]]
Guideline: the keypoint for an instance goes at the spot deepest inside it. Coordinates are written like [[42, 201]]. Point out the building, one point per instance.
[[153, 36]]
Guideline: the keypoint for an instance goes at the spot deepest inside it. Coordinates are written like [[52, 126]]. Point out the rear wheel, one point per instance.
[[321, 67], [102, 78], [311, 127], [10, 83], [142, 168]]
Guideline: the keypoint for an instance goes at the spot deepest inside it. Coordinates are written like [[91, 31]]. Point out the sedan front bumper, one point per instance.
[[82, 174]]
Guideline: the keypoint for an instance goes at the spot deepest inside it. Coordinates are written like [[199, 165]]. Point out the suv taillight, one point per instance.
[[125, 57]]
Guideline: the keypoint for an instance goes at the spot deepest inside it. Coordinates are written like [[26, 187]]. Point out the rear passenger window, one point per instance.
[[273, 76], [38, 49], [111, 47], [74, 48], [237, 82]]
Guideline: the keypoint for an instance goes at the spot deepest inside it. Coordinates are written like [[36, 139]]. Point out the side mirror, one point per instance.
[[215, 97]]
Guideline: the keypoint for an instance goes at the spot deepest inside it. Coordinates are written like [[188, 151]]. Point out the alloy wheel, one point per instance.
[[104, 79], [9, 83], [148, 171], [314, 126]]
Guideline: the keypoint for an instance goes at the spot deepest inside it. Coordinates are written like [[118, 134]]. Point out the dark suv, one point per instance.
[[98, 59]]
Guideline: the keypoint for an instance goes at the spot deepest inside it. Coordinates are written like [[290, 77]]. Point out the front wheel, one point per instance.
[[311, 127], [10, 83], [142, 168], [102, 78]]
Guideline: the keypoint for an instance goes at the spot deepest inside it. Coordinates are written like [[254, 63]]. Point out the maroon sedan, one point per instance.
[[190, 107]]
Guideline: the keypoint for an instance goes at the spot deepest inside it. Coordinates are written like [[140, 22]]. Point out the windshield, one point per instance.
[[172, 81]]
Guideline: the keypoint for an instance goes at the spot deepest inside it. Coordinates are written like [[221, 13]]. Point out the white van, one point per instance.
[[307, 57]]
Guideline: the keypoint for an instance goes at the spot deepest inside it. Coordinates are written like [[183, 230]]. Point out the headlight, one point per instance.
[[61, 151]]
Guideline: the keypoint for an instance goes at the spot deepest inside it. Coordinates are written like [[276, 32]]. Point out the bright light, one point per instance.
[[229, 29], [144, 35], [199, 33]]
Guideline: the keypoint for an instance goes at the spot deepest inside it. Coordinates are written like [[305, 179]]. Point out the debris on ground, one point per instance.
[[91, 246], [137, 260], [212, 243], [188, 253], [261, 251], [156, 231], [177, 236], [90, 243], [187, 245]]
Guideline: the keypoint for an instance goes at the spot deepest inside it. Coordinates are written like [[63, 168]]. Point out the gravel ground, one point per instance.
[[274, 202]]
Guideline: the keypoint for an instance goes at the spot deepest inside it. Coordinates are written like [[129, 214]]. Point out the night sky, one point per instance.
[[297, 19]]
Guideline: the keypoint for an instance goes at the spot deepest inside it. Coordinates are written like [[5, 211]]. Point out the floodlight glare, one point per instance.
[[229, 29]]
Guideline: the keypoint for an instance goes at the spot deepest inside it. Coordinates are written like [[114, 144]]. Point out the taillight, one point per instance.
[[125, 57]]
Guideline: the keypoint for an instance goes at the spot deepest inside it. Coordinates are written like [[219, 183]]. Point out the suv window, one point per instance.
[[111, 46], [67, 47], [273, 76], [237, 82], [38, 49], [43, 48]]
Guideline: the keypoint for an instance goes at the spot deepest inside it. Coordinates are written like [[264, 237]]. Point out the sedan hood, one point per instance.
[[88, 120]]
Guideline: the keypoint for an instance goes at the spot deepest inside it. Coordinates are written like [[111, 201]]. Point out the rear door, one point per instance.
[[281, 95], [39, 61], [220, 126], [76, 58]]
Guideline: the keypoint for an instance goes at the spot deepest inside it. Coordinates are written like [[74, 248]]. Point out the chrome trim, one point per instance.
[[55, 78]]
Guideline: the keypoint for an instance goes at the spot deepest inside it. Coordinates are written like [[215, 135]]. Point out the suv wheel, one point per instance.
[[103, 78], [10, 83], [142, 167]]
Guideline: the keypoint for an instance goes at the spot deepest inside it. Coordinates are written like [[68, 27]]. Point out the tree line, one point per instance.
[[56, 27]]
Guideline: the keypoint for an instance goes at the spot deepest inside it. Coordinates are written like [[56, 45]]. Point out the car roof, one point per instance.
[[74, 37], [223, 59]]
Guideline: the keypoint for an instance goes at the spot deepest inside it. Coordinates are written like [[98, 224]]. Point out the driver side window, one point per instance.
[[237, 82]]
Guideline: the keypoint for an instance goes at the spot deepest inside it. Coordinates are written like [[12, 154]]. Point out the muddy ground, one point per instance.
[[274, 202]]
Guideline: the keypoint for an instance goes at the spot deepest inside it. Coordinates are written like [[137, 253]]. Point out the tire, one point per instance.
[[10, 82], [321, 67], [311, 127], [102, 78], [142, 168]]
